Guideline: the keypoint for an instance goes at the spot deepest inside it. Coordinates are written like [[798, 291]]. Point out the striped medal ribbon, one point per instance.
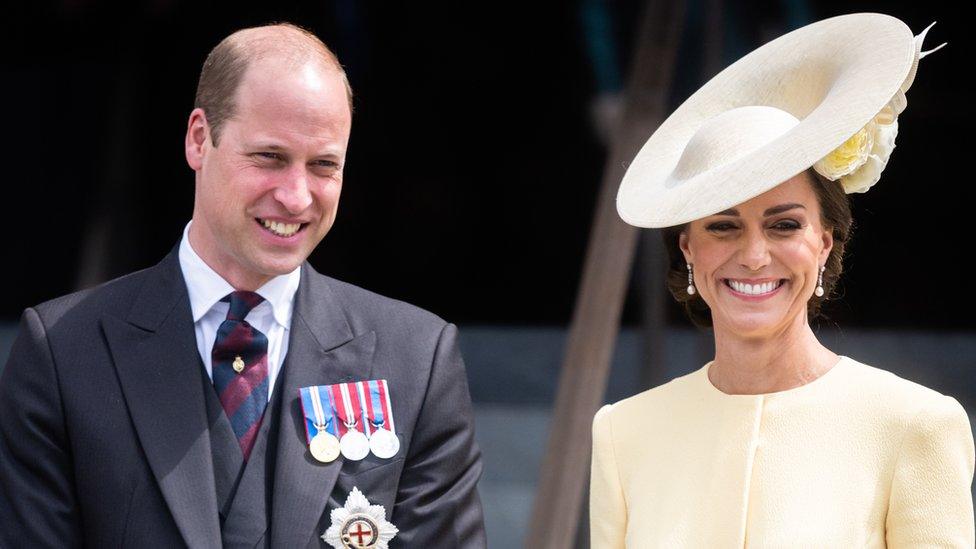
[[320, 428], [352, 442], [383, 441]]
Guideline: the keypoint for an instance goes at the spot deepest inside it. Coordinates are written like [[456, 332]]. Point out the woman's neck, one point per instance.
[[782, 361]]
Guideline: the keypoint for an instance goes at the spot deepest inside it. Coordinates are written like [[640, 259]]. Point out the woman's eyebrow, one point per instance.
[[782, 208], [771, 211]]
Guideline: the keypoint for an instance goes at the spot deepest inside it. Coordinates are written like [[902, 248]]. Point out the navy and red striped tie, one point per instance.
[[240, 369]]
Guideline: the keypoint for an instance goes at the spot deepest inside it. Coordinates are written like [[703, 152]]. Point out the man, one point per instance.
[[163, 408]]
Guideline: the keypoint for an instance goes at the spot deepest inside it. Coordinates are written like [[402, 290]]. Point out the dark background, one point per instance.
[[473, 164]]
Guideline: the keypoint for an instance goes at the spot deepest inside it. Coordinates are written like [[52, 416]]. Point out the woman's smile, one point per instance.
[[753, 290]]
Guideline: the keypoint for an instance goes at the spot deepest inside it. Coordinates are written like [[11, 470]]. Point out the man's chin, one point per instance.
[[267, 266], [280, 267]]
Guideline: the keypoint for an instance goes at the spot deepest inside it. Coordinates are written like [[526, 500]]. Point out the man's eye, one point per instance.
[[269, 155]]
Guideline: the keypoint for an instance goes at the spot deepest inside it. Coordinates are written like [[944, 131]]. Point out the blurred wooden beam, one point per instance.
[[606, 272], [651, 270], [652, 257]]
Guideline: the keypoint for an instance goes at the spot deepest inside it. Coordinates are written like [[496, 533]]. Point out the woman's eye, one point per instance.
[[787, 226], [721, 226]]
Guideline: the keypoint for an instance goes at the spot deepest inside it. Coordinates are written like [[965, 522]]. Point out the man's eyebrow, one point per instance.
[[263, 145], [268, 145], [271, 146]]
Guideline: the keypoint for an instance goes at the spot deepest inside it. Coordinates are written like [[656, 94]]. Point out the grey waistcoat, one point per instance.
[[243, 490]]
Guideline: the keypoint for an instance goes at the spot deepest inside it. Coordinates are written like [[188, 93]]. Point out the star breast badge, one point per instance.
[[359, 525]]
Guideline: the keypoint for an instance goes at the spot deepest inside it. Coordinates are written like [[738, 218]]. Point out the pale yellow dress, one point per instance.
[[859, 457]]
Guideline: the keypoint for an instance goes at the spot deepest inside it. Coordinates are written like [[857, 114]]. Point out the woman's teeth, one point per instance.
[[753, 289], [281, 229]]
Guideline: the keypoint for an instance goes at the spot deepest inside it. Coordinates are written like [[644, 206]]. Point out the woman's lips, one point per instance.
[[753, 291]]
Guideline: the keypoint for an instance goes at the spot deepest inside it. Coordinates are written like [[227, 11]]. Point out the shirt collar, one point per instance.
[[205, 287]]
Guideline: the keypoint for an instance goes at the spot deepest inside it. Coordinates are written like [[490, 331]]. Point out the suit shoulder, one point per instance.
[[378, 309], [113, 295]]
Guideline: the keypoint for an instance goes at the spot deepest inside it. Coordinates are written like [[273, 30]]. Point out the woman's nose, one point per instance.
[[754, 254]]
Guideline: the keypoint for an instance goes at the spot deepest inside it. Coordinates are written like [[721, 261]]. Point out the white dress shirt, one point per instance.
[[272, 317]]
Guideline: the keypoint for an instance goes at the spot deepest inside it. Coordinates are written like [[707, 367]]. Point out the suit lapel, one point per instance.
[[158, 365], [323, 350]]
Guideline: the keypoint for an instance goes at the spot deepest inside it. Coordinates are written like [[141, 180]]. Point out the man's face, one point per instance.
[[268, 193]]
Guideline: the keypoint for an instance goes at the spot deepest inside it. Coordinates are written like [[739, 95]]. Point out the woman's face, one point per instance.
[[756, 264]]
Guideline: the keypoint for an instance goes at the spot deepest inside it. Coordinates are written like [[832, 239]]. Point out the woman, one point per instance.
[[778, 441]]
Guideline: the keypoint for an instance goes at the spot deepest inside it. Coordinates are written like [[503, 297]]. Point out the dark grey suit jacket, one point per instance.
[[103, 427]]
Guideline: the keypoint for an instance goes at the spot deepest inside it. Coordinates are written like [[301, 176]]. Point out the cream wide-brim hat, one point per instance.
[[771, 115]]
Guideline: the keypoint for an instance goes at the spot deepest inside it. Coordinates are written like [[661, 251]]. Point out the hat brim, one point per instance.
[[834, 75]]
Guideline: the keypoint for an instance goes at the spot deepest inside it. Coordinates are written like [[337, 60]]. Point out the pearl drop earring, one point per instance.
[[691, 281], [820, 290]]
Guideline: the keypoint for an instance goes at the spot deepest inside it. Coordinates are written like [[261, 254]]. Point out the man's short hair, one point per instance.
[[226, 64]]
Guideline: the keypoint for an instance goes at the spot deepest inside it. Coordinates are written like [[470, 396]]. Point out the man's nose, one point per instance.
[[293, 192], [754, 254]]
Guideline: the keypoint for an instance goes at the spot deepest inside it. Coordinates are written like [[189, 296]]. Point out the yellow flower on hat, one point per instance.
[[859, 161], [869, 173], [849, 156]]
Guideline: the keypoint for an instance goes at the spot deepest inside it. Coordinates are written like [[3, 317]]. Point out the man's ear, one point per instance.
[[197, 138]]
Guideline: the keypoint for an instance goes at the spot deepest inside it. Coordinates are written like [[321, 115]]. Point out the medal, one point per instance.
[[383, 442], [324, 447], [353, 443], [334, 413], [319, 424], [359, 525], [355, 530]]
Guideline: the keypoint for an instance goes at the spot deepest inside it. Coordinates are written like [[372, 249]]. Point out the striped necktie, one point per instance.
[[240, 369]]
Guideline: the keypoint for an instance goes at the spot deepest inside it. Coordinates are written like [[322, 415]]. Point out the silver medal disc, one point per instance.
[[324, 447], [354, 445], [384, 444]]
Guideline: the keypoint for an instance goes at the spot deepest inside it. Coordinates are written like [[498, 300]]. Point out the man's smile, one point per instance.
[[280, 229]]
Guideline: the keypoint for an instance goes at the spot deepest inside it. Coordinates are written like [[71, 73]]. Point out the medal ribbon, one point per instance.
[[381, 412], [366, 405], [315, 413], [320, 421], [336, 398], [351, 411], [320, 405]]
